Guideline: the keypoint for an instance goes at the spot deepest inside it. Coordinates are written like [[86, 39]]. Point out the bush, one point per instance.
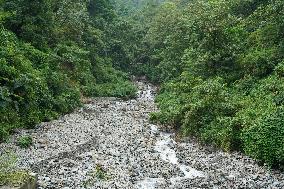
[[9, 117], [173, 98], [209, 100], [223, 132], [9, 175], [120, 89], [25, 141], [265, 139], [111, 82], [32, 89], [279, 69]]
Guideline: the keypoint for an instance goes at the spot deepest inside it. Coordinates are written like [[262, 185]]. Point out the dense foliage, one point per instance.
[[220, 66], [53, 53]]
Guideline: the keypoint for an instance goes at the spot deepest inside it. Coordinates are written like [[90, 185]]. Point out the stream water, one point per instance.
[[165, 147]]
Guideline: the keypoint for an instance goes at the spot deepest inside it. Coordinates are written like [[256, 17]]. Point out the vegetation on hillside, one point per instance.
[[53, 53], [220, 67], [220, 64]]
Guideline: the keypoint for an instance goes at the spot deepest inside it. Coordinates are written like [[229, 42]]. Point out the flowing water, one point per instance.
[[165, 146]]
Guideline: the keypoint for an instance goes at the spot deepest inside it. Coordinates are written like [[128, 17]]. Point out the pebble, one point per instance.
[[110, 143]]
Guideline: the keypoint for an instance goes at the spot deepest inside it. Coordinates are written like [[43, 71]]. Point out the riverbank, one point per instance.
[[110, 143]]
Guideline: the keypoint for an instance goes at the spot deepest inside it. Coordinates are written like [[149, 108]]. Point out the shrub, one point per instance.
[[100, 173], [25, 141], [171, 106], [9, 175], [223, 132], [279, 69], [209, 100], [120, 89], [173, 98], [265, 139], [111, 82]]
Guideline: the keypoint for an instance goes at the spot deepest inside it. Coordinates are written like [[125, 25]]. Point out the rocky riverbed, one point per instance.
[[110, 143]]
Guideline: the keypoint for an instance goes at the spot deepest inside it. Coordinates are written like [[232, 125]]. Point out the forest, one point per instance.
[[52, 54], [219, 65]]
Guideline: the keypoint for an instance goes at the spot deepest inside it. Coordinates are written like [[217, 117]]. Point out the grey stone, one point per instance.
[[110, 143]]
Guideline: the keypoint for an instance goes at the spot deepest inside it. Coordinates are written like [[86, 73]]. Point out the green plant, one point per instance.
[[121, 89], [9, 175], [100, 173], [223, 132], [264, 140], [25, 141]]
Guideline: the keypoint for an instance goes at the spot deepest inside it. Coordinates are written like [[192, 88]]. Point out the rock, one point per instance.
[[110, 143], [231, 177]]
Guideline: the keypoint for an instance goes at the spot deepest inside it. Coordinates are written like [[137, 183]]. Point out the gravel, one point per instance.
[[110, 143]]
